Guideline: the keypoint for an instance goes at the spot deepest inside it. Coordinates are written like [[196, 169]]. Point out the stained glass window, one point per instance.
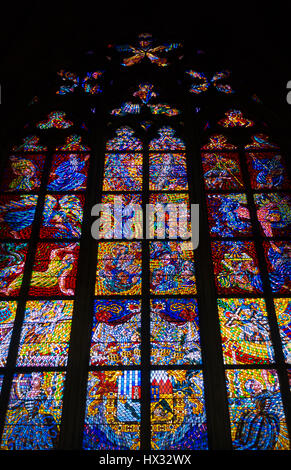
[[134, 338], [247, 211]]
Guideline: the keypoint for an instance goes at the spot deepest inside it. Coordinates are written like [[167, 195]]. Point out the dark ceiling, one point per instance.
[[37, 37]]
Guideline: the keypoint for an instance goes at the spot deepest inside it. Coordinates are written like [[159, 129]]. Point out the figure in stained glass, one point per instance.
[[257, 416], [228, 215], [119, 268], [267, 171], [172, 268], [23, 173], [245, 331], [55, 269], [62, 216], [68, 173], [236, 267], [222, 171], [34, 412], [278, 254]]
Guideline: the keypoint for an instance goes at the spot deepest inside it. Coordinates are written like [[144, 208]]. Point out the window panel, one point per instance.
[[283, 307], [12, 260], [45, 333], [123, 172], [116, 332], [118, 268], [177, 410], [267, 170], [172, 217], [279, 265], [17, 215], [54, 271], [7, 317], [121, 216], [256, 410], [245, 331], [62, 216], [222, 171], [23, 173], [34, 412], [236, 267], [168, 172], [172, 268], [274, 214], [68, 172], [112, 419], [228, 215], [175, 332]]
